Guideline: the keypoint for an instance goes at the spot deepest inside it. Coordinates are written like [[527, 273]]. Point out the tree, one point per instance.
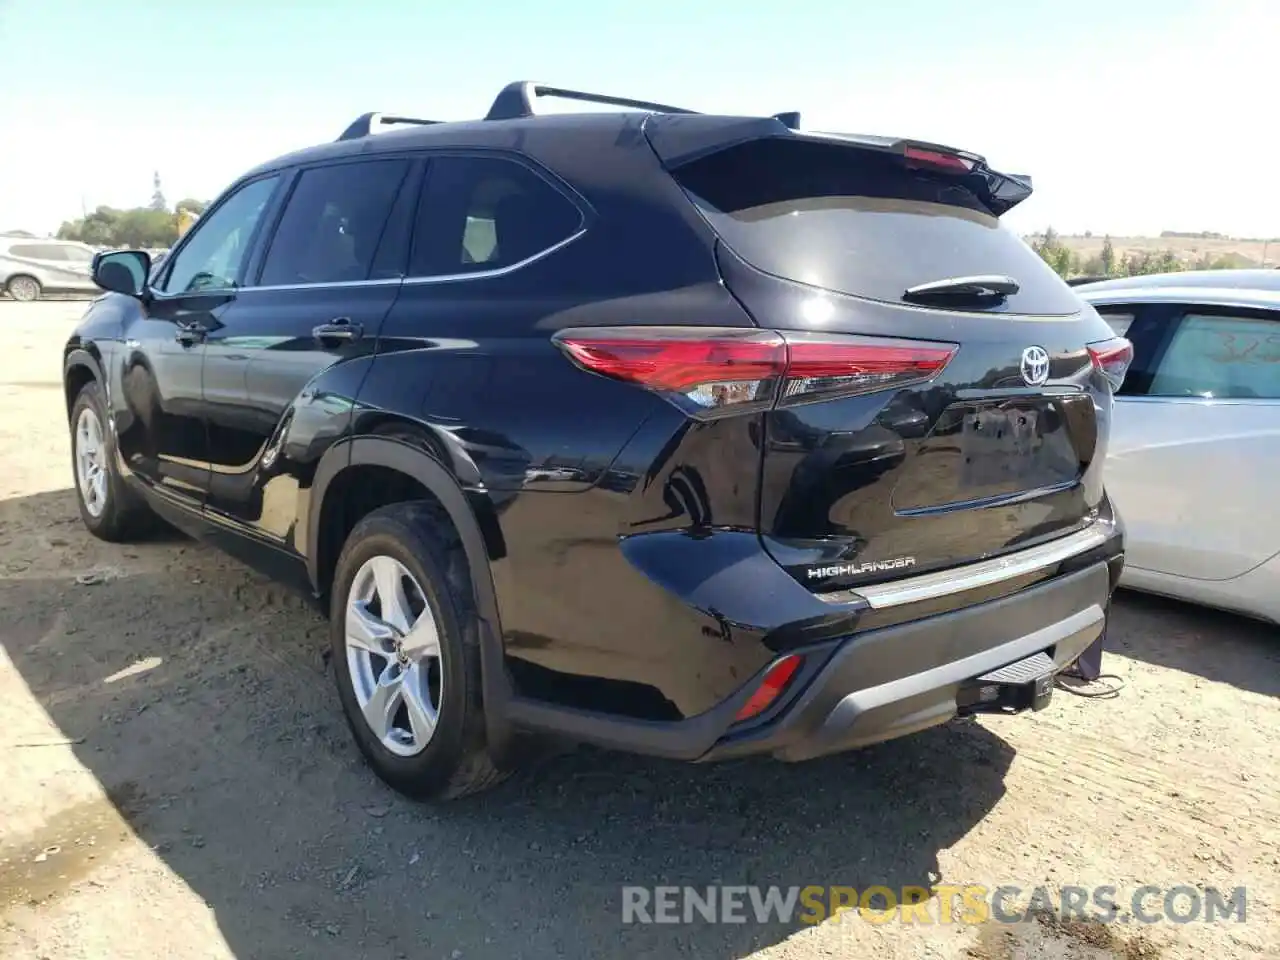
[[195, 206], [1107, 258], [1056, 254], [108, 227]]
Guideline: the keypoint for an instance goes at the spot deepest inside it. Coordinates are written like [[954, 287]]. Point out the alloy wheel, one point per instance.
[[24, 289], [393, 655], [91, 472]]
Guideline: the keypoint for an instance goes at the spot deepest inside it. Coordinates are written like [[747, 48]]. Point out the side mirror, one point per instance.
[[122, 271]]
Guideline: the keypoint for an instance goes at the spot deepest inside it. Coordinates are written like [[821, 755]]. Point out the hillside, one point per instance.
[[1242, 253]]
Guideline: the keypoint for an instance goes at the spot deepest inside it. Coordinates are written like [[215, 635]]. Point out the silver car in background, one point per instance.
[[1195, 446], [30, 267]]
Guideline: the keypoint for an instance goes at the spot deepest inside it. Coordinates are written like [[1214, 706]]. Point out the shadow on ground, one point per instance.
[[228, 755], [1218, 646]]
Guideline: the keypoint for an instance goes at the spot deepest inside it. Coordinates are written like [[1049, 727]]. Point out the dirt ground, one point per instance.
[[176, 780]]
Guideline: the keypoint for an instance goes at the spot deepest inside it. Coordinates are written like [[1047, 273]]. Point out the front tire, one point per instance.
[[109, 509], [24, 289], [405, 637]]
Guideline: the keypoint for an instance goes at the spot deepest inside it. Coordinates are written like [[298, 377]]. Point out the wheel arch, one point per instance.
[[416, 464], [79, 368]]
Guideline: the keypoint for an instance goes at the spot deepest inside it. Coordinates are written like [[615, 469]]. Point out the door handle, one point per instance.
[[339, 329], [189, 333]]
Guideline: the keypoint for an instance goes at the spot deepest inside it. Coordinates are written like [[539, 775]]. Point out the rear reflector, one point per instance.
[[709, 372], [771, 686], [1111, 358]]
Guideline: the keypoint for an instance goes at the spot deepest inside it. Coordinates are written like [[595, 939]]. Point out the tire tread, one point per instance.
[[425, 528]]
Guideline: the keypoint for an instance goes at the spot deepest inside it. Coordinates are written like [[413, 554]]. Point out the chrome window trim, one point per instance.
[[941, 583], [386, 282], [326, 284], [499, 271]]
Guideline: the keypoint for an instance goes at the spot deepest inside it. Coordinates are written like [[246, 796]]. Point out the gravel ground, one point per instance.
[[177, 781]]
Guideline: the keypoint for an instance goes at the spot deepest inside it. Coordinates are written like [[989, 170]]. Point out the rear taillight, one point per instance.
[[712, 371], [704, 370], [820, 366], [1111, 358], [774, 682]]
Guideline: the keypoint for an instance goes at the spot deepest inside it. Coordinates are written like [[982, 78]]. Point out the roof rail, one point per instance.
[[364, 125], [516, 100]]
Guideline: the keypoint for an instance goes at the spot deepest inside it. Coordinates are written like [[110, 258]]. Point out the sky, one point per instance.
[[1131, 116]]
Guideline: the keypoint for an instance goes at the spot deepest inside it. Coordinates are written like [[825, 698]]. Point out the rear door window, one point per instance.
[[333, 223], [860, 222], [1221, 356]]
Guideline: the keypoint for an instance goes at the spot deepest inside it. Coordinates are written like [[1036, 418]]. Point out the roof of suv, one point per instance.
[[446, 134]]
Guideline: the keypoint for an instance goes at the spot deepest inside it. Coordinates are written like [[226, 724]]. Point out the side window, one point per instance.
[[77, 254], [333, 223], [486, 213], [1147, 327], [30, 251], [1221, 356], [1119, 320], [214, 256]]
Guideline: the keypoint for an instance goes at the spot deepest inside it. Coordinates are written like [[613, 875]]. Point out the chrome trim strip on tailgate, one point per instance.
[[984, 573]]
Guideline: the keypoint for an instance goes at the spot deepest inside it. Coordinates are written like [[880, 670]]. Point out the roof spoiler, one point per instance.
[[681, 140]]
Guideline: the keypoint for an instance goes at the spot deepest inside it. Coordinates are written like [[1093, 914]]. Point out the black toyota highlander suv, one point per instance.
[[697, 436]]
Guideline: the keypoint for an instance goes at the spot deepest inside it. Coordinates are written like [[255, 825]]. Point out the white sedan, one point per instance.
[[1195, 447]]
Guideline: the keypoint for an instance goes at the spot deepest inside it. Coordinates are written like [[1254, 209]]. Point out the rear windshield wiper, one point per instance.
[[974, 288]]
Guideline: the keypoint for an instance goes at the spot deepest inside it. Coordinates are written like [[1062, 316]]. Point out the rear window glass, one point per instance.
[[861, 223]]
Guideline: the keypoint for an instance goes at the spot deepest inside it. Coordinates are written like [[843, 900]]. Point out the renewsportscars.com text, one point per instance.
[[944, 904]]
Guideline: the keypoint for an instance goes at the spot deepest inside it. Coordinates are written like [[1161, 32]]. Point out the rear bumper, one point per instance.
[[879, 683], [899, 680]]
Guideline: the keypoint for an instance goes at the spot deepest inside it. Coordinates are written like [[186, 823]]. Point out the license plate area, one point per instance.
[[983, 450], [1000, 446]]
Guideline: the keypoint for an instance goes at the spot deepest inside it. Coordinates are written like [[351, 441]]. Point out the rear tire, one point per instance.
[[109, 509], [24, 289], [402, 587]]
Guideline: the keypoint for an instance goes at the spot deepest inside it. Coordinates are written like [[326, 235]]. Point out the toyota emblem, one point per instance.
[[1035, 366]]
